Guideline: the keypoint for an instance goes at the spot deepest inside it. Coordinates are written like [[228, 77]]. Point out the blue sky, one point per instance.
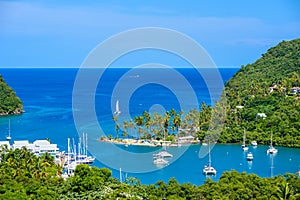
[[62, 33]]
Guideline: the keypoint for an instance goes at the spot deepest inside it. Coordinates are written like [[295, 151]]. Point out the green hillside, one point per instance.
[[9, 102], [265, 87]]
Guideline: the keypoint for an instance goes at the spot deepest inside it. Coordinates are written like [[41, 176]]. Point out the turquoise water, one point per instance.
[[47, 97]]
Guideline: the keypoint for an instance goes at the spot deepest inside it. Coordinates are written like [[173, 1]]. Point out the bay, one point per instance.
[[47, 98]]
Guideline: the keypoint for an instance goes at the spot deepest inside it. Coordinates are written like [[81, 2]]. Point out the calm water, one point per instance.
[[47, 98]]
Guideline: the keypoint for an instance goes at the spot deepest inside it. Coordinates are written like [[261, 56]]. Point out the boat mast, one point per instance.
[[244, 138], [86, 144], [74, 149], [79, 146], [271, 142], [68, 156], [209, 158], [9, 128]]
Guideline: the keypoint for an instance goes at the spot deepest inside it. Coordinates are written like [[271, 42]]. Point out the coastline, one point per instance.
[[15, 112], [148, 143]]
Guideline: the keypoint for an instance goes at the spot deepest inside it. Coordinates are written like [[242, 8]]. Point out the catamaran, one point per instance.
[[271, 150], [160, 161], [208, 169]]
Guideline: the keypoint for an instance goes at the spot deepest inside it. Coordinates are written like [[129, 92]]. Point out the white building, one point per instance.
[[3, 143], [261, 115], [38, 147]]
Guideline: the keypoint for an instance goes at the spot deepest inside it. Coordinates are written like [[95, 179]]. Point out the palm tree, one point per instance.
[[117, 126], [131, 126], [139, 120], [176, 122], [166, 122], [125, 126], [284, 191], [147, 119]]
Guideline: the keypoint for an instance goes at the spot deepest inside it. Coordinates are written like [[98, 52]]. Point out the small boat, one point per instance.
[[254, 143], [163, 154], [271, 150], [160, 161], [250, 156], [208, 169], [244, 147], [117, 111]]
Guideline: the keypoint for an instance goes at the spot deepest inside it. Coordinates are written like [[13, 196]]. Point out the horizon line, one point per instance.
[[113, 67]]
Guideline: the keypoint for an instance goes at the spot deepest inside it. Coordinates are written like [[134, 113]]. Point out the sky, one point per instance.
[[60, 33]]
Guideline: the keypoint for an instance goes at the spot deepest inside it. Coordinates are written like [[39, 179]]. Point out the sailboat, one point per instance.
[[250, 156], [271, 150], [244, 147], [163, 153], [208, 169], [82, 156], [117, 112], [8, 137]]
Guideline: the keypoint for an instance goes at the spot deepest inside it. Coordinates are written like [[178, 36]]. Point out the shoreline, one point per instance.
[[144, 142]]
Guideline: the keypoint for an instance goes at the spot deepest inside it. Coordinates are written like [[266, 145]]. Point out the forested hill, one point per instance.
[[264, 97], [9, 102]]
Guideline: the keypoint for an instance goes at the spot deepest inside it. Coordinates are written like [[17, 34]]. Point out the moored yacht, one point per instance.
[[163, 154], [244, 147], [160, 161], [271, 150], [208, 169], [250, 156]]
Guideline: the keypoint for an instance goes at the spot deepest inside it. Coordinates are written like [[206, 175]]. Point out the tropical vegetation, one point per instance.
[[261, 98], [9, 102], [26, 176]]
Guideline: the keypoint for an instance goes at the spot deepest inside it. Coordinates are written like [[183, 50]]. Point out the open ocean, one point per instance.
[[49, 105]]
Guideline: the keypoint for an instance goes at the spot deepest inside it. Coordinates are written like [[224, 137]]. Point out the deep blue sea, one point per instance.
[[62, 103]]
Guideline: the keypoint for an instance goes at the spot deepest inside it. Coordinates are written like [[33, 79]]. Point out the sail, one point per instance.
[[117, 108]]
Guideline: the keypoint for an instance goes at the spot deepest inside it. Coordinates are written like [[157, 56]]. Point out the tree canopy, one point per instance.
[[9, 102], [268, 86], [26, 176]]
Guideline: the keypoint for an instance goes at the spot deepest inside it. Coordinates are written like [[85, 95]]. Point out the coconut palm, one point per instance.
[[139, 120], [117, 126]]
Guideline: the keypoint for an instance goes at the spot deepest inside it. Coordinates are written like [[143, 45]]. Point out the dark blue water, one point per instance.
[[47, 98]]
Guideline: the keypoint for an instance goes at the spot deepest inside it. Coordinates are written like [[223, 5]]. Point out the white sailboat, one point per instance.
[[271, 150], [160, 161], [82, 156], [250, 156], [244, 147], [117, 111], [163, 153], [8, 137], [208, 169]]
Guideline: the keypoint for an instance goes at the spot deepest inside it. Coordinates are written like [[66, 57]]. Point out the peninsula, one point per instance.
[[10, 103]]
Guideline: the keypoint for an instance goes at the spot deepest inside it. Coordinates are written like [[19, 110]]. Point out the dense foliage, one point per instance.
[[265, 87], [25, 176], [9, 102]]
